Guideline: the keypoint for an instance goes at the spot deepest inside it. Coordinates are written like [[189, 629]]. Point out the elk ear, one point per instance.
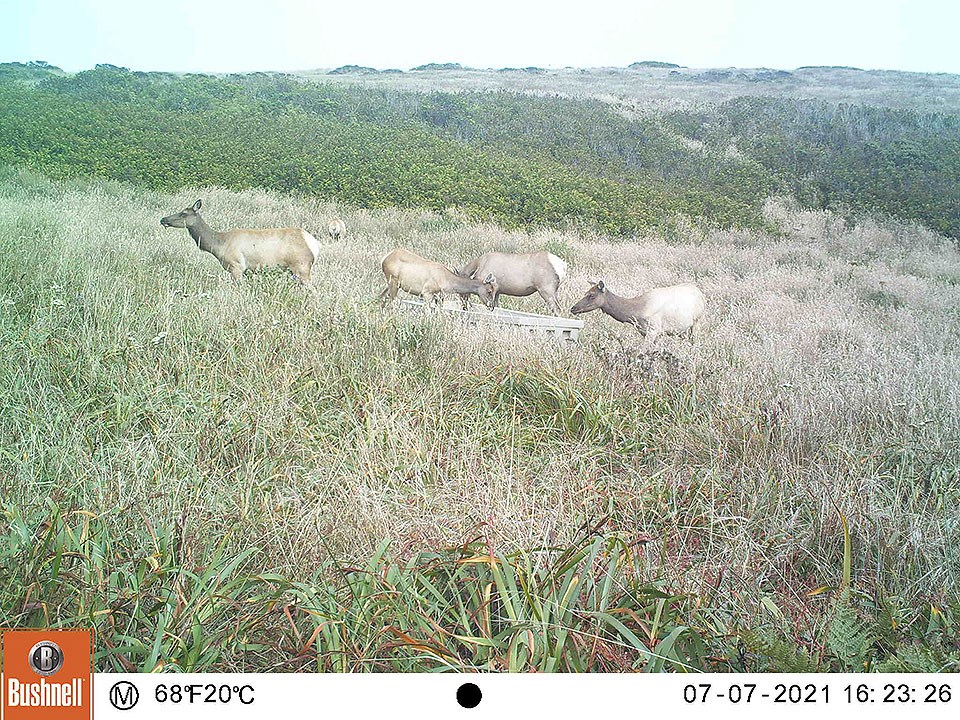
[[600, 286], [196, 205], [489, 279]]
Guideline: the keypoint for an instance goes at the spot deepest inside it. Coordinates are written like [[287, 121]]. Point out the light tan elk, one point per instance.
[[669, 310], [240, 250], [521, 275], [336, 229], [430, 280]]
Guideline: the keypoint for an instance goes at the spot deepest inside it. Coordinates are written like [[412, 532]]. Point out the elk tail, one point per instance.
[[312, 244], [559, 266]]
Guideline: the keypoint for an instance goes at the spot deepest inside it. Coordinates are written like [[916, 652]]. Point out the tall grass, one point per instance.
[[223, 476]]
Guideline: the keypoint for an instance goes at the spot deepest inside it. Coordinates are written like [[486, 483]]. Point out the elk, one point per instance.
[[669, 310], [336, 229], [428, 279], [521, 275], [240, 250]]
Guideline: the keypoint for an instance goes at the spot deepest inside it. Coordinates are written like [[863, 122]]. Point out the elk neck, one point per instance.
[[462, 284], [620, 308], [205, 236]]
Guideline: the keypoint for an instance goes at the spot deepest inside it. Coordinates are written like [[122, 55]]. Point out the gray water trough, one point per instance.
[[559, 327]]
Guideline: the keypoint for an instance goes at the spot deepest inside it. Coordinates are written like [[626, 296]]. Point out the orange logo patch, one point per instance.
[[46, 675]]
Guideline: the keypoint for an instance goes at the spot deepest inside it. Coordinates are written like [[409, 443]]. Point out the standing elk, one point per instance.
[[240, 250], [336, 229], [419, 276], [669, 310], [521, 275]]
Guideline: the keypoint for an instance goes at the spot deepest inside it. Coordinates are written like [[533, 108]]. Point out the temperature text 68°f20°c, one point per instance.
[[209, 693]]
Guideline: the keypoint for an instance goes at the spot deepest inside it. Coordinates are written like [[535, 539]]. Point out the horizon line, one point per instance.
[[453, 66]]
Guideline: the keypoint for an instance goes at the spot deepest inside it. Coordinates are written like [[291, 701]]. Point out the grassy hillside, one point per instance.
[[248, 477]]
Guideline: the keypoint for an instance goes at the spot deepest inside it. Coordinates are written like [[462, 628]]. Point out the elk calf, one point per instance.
[[241, 250], [430, 280]]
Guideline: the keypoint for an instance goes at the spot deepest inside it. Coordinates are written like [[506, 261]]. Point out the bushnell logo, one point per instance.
[[46, 658], [46, 674]]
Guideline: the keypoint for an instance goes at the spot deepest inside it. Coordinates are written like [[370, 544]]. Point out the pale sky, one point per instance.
[[234, 36]]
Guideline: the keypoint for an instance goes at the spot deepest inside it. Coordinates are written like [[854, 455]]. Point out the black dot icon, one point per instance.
[[469, 695]]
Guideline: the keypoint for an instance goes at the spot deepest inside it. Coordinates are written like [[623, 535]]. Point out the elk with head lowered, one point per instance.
[[430, 280], [240, 250], [668, 310], [521, 275]]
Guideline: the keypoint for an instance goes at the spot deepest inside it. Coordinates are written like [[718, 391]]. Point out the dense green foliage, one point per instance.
[[583, 608], [521, 160], [284, 135], [878, 160]]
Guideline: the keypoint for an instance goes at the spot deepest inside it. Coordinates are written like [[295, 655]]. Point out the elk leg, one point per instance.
[[389, 292], [236, 271], [302, 276], [651, 333], [550, 298]]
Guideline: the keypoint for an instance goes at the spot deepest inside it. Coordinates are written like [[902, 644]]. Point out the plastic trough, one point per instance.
[[559, 327]]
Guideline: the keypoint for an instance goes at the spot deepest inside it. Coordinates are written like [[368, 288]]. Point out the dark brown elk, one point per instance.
[[520, 275], [667, 310], [241, 250], [430, 280]]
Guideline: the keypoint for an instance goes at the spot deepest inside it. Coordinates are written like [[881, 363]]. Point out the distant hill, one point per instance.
[[652, 64], [830, 67], [31, 71], [440, 66], [354, 70], [655, 88], [737, 75]]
